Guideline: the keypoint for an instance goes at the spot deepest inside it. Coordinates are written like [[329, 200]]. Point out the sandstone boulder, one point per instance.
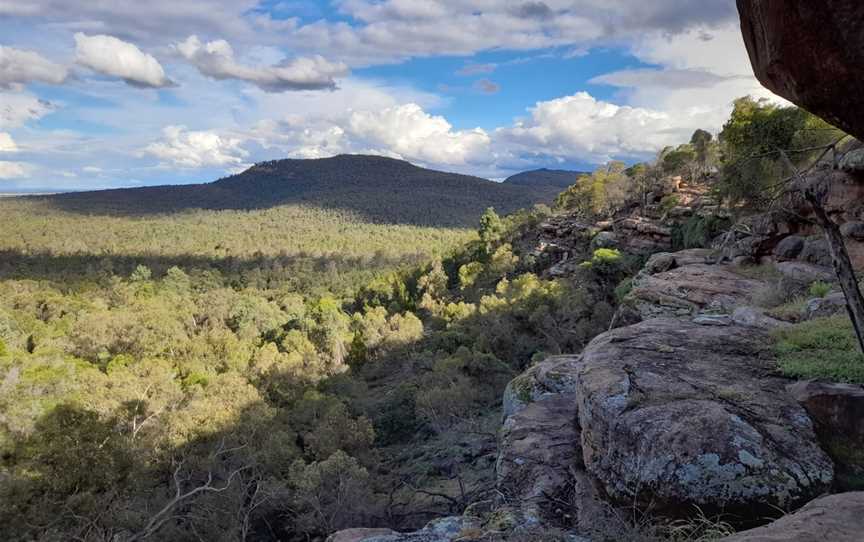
[[676, 414], [837, 411], [795, 47], [816, 251], [789, 248], [835, 518], [821, 307], [539, 441], [806, 273], [688, 290]]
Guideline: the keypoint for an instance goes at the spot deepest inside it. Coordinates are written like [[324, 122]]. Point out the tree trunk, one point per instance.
[[842, 267]]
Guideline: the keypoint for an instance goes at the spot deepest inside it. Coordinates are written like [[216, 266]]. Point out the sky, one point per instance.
[[115, 93]]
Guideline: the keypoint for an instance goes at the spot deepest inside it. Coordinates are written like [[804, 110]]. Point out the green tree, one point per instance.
[[750, 143]]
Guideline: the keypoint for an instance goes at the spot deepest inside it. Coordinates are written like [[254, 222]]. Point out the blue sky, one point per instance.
[[96, 95]]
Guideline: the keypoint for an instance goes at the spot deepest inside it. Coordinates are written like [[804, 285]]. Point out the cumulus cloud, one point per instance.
[[13, 170], [19, 68], [582, 128], [410, 132], [197, 149], [17, 108], [216, 59], [114, 57]]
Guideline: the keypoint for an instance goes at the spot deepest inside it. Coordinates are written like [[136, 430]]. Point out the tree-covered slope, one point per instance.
[[376, 188], [559, 178]]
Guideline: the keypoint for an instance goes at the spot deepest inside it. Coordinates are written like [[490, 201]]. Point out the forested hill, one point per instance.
[[559, 178], [376, 188]]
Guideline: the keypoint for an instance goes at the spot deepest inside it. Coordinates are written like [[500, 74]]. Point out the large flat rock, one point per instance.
[[836, 518], [690, 289], [677, 414]]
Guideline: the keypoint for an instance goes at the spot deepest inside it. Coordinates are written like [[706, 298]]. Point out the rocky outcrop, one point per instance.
[[837, 411], [795, 47], [565, 241], [836, 518], [687, 290], [678, 414]]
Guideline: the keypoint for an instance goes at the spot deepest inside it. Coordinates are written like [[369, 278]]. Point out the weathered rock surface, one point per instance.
[[837, 411], [835, 518], [806, 273], [539, 442], [821, 307], [680, 414], [816, 251], [756, 317], [439, 530], [359, 535], [795, 47], [690, 289], [789, 248]]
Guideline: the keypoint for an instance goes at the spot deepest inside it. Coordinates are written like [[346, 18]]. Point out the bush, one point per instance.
[[819, 289], [624, 287], [821, 348], [669, 202], [605, 261], [698, 231]]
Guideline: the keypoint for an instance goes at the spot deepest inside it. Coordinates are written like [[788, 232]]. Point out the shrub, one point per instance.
[[605, 261], [819, 289], [624, 287], [669, 202], [698, 231]]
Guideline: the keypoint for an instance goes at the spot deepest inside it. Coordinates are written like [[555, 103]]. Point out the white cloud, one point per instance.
[[411, 133], [660, 78], [581, 128], [702, 70], [111, 56], [216, 59], [13, 170], [17, 108], [7, 144], [397, 29], [19, 67], [196, 149]]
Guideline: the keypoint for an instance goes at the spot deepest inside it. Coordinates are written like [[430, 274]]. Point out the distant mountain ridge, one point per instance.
[[560, 178], [379, 189]]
